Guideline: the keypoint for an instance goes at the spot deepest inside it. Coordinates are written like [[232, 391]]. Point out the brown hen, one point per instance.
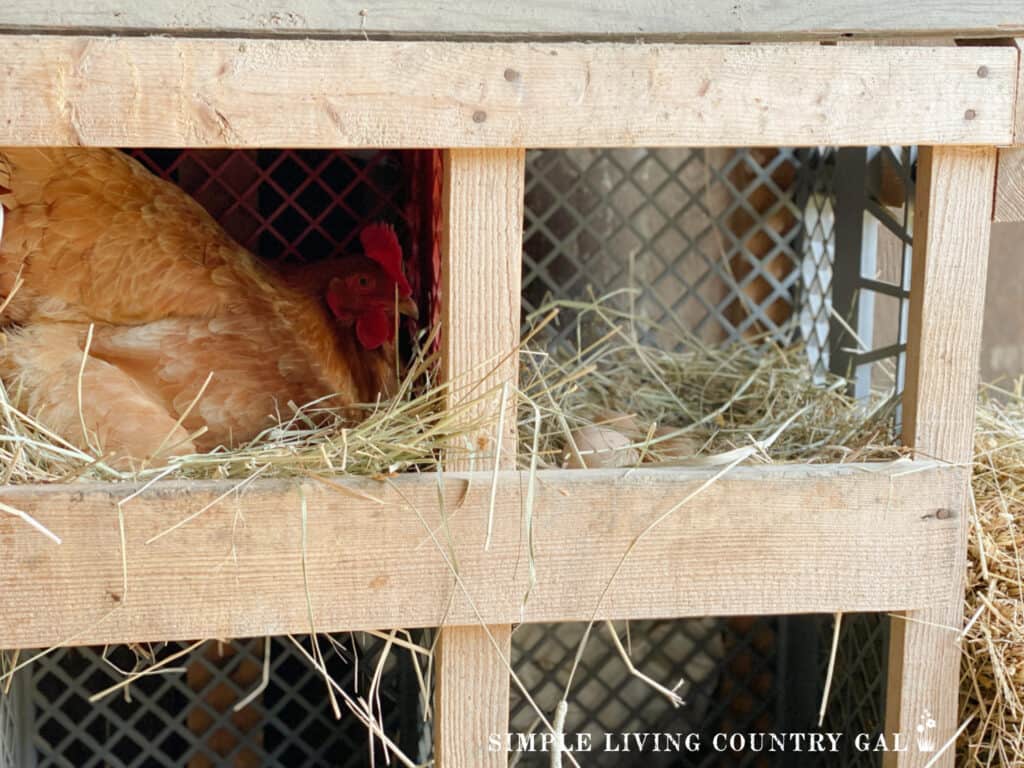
[[103, 262]]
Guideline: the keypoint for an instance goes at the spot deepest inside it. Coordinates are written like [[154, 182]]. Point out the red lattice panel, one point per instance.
[[305, 205]]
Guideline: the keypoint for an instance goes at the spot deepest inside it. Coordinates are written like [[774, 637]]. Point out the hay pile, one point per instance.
[[992, 685], [714, 398]]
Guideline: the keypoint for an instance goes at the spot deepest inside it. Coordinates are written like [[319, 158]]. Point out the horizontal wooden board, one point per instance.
[[166, 92], [777, 539], [736, 19]]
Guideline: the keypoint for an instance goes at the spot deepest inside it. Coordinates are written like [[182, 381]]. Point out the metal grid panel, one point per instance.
[[185, 717], [296, 206], [856, 701], [288, 205], [605, 698], [818, 256], [874, 239], [709, 238]]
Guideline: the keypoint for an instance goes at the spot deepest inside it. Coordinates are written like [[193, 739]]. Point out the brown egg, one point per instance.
[[625, 423], [680, 447], [601, 448]]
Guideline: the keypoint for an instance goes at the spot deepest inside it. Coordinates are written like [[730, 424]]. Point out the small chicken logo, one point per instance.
[[925, 735]]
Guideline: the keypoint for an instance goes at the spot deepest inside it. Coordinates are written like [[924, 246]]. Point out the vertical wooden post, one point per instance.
[[953, 211], [481, 274]]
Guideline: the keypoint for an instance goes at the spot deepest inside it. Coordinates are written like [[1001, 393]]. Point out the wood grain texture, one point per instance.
[[739, 19], [167, 92], [1009, 205], [481, 273], [762, 540], [951, 237], [482, 247]]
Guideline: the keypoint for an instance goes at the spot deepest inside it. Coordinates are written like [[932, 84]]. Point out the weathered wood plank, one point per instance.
[[762, 540], [952, 223], [1009, 204], [481, 246], [169, 92], [736, 19]]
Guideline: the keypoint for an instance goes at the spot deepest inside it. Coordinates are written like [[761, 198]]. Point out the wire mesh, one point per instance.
[[707, 238], [817, 259], [184, 716], [605, 698], [856, 699], [288, 205]]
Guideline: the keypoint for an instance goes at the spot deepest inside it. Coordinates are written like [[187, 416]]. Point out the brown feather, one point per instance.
[[99, 240]]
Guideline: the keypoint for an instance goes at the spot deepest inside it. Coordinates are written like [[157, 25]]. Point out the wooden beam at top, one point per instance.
[[688, 19], [760, 540], [176, 92]]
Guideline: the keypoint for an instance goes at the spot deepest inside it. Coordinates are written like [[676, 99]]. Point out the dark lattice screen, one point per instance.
[[184, 715]]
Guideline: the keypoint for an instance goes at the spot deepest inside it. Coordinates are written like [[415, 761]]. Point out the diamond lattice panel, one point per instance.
[[708, 238], [185, 716], [292, 205], [728, 668]]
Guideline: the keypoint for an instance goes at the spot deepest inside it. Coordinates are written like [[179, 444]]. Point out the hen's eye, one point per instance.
[[363, 281]]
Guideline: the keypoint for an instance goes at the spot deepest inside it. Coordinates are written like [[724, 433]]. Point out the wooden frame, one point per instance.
[[832, 539], [839, 538], [218, 93], [947, 300]]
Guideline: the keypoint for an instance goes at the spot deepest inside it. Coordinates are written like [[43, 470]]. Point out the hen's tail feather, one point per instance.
[[113, 417]]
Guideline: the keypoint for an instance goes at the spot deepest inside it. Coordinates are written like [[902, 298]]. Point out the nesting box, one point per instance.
[[455, 120]]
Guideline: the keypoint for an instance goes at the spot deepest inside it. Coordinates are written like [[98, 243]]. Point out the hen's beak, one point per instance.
[[408, 308]]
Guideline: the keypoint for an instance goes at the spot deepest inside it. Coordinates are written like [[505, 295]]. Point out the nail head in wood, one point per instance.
[[970, 114], [512, 75], [479, 116], [982, 71]]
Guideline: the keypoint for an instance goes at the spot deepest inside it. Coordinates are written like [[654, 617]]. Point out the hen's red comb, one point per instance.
[[380, 243]]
